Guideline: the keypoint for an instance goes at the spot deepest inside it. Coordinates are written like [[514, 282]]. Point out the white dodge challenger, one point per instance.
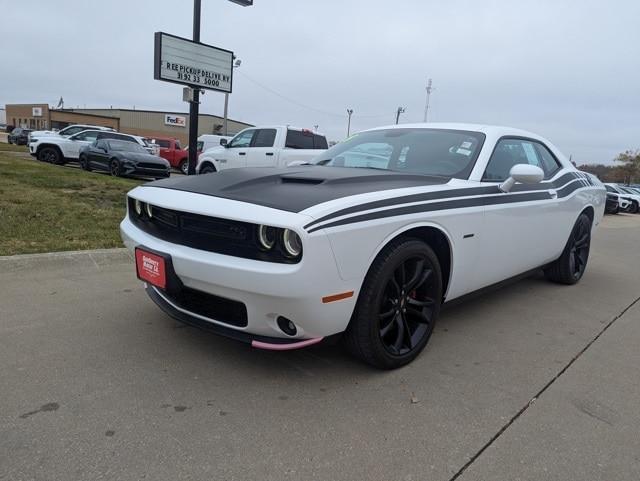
[[369, 240]]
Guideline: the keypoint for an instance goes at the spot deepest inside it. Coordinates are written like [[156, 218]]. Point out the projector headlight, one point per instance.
[[138, 205], [292, 243], [267, 236]]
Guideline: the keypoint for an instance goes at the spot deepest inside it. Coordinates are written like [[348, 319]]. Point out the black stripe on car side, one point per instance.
[[467, 191], [454, 204]]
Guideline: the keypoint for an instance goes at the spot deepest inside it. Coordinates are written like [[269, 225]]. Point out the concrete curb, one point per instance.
[[96, 258]]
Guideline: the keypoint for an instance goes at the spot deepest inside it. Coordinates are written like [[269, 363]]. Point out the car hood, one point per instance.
[[295, 189], [147, 158]]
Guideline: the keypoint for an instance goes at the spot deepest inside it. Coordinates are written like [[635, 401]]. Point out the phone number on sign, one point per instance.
[[187, 77]]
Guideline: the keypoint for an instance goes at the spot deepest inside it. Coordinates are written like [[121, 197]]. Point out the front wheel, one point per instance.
[[84, 163], [207, 169], [398, 305], [114, 168], [570, 266], [634, 207], [50, 155]]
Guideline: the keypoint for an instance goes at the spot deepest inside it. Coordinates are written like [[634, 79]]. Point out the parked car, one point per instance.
[[69, 130], [59, 149], [282, 257], [171, 150], [633, 199], [263, 147], [18, 136], [123, 158], [613, 203], [209, 141]]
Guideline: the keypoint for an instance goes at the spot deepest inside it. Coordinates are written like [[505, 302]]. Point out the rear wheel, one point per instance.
[[114, 168], [398, 305], [184, 167], [50, 155], [9, 140], [570, 266]]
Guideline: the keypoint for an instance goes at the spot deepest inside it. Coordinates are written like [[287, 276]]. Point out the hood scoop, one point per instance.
[[288, 179]]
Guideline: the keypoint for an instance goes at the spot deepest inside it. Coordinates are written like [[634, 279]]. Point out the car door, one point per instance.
[[99, 158], [261, 152], [526, 227], [77, 142], [238, 148]]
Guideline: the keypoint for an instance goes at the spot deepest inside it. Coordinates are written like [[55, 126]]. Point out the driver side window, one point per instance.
[[102, 144], [509, 152], [242, 140]]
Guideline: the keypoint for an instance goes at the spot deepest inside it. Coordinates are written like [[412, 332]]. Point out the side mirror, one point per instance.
[[523, 173], [223, 142]]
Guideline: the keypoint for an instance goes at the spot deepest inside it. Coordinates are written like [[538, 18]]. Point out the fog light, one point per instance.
[[287, 326]]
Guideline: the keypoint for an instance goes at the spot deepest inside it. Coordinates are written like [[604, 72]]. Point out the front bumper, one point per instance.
[[134, 169], [268, 290]]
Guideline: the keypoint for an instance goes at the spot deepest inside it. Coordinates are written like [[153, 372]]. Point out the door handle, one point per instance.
[[242, 153], [553, 194], [268, 153]]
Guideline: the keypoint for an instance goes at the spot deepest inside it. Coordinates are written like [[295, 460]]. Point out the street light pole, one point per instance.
[[426, 105], [349, 113], [194, 105], [398, 112], [235, 64]]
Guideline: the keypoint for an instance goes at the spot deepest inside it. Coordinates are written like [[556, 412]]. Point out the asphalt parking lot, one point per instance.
[[533, 381]]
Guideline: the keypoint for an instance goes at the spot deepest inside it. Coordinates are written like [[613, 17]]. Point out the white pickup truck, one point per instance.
[[270, 146]]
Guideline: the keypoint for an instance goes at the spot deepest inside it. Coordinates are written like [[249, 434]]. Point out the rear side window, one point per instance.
[[112, 135], [264, 138], [165, 144], [320, 142], [298, 139], [178, 146]]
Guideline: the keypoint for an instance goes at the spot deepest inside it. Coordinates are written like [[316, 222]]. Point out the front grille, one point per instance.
[[210, 306], [207, 233], [148, 165]]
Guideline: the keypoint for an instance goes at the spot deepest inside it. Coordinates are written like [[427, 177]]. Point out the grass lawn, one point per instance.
[[46, 207]]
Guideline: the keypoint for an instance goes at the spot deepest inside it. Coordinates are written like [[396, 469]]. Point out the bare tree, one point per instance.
[[630, 167]]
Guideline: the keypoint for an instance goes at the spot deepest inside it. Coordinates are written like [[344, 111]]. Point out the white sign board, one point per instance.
[[192, 63], [36, 111], [175, 120]]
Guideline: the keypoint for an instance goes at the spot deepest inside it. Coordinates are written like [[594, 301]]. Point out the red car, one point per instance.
[[172, 151]]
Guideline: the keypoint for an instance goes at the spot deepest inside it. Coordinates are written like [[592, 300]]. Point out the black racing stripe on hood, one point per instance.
[[295, 189], [445, 194]]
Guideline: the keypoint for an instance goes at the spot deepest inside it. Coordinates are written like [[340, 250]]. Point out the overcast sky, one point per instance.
[[568, 70]]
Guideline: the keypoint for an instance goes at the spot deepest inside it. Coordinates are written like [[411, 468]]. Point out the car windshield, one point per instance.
[[124, 146], [440, 152]]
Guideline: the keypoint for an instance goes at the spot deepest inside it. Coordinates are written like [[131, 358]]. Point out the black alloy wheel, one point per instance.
[[49, 155], [84, 163], [398, 305], [406, 308], [570, 266], [634, 207], [114, 168]]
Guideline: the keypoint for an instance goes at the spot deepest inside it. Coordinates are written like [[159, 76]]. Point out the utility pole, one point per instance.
[[194, 105], [398, 112], [235, 64], [426, 105], [349, 113]]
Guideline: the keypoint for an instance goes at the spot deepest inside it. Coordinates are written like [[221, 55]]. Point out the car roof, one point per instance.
[[496, 130]]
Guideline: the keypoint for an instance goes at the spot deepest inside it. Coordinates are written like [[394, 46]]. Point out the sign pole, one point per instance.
[[194, 105]]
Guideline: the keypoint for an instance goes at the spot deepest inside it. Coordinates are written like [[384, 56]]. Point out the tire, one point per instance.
[[84, 163], [634, 208], [114, 168], [9, 140], [207, 169], [50, 155], [402, 292], [184, 167], [570, 266]]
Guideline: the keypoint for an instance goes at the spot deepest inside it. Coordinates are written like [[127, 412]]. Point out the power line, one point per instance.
[[304, 106]]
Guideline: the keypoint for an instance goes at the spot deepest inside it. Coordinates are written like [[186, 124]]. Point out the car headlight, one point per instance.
[[138, 205], [267, 236], [292, 243], [148, 209]]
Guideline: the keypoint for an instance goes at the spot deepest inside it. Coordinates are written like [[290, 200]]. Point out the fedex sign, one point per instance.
[[175, 120]]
